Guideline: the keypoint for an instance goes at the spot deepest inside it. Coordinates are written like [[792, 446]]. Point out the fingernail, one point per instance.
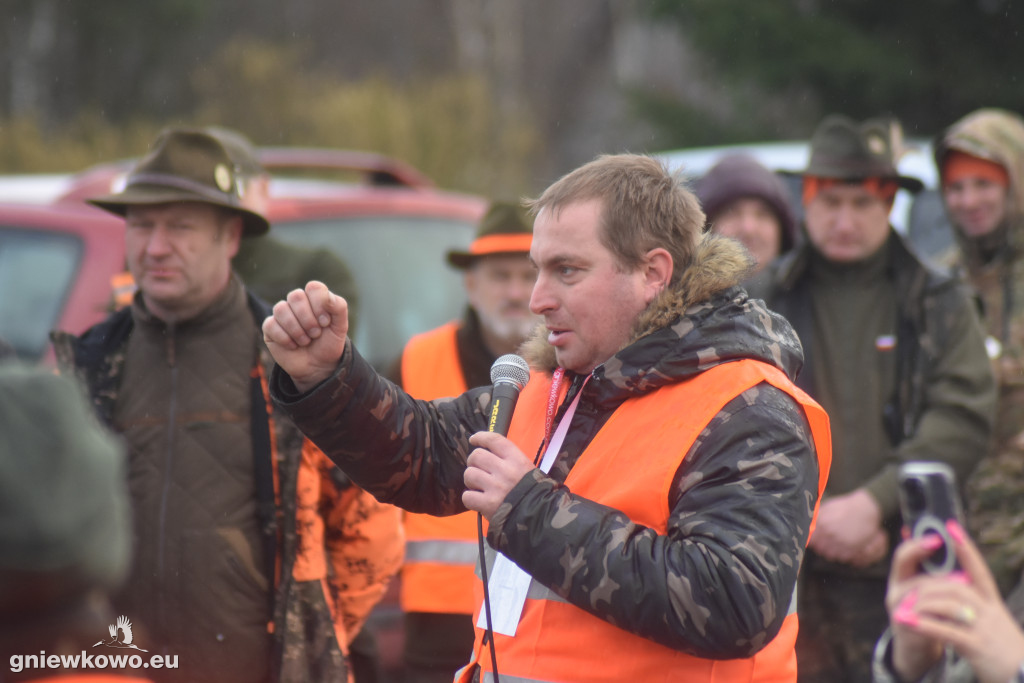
[[906, 617], [324, 321], [908, 602], [931, 542], [956, 531]]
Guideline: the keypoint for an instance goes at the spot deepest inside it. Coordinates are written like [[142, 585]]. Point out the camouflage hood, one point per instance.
[[995, 135], [704, 320]]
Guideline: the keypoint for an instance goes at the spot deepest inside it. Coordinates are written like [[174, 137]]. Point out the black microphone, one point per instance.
[[509, 375]]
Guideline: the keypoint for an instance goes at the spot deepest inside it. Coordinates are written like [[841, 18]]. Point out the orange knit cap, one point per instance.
[[884, 189], [959, 165]]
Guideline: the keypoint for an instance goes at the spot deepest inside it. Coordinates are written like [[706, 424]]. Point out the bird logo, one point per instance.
[[121, 635]]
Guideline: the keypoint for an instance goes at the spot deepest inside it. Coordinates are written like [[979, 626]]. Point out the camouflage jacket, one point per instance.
[[311, 515], [996, 490], [739, 512]]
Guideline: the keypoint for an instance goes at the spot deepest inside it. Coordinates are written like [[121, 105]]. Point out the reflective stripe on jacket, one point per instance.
[[629, 466], [440, 552]]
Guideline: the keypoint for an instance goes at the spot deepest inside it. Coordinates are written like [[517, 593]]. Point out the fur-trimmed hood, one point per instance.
[[705, 319]]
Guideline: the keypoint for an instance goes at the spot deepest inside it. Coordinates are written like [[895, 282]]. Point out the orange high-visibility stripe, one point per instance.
[[501, 244], [630, 465]]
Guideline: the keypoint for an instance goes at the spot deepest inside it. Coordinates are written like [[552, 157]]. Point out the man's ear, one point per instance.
[[233, 228], [657, 271]]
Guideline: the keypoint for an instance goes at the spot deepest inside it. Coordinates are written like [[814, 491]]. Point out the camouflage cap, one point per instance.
[[505, 229], [63, 500], [184, 165]]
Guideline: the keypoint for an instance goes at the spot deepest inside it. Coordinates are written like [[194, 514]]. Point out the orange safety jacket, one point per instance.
[[440, 552], [557, 641]]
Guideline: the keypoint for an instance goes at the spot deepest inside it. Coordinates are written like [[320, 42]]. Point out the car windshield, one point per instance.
[[36, 272], [405, 285]]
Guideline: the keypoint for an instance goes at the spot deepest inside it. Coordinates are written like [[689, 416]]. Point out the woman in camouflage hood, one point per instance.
[[981, 162]]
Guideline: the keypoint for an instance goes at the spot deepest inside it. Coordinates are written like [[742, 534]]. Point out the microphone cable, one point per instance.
[[488, 639]]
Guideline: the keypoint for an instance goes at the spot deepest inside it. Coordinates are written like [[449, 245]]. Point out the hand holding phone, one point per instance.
[[929, 499]]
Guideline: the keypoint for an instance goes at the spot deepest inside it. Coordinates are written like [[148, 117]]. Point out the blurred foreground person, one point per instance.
[[746, 201], [654, 495], [949, 628], [981, 164], [896, 355], [64, 531], [440, 552], [255, 558]]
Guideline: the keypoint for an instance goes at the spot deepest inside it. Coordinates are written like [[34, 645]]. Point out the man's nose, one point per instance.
[[748, 225], [158, 242], [971, 196], [540, 298], [844, 217]]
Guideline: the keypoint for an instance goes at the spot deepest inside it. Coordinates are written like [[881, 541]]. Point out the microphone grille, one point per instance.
[[510, 369]]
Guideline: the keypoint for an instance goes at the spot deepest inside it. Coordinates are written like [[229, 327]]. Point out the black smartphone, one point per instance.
[[928, 499]]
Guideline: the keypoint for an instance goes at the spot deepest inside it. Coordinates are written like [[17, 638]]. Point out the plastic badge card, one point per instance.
[[508, 586]]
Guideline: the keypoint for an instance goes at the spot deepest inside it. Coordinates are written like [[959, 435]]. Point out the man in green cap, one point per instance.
[[895, 354], [254, 557], [437, 578]]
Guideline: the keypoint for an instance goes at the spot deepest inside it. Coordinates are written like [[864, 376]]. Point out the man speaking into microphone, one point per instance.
[[661, 472]]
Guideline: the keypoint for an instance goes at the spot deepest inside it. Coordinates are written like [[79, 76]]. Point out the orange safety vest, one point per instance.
[[557, 641], [440, 552]]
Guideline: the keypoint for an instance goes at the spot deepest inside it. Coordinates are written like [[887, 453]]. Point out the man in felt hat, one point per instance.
[[437, 579], [64, 530], [980, 160], [254, 557], [895, 353]]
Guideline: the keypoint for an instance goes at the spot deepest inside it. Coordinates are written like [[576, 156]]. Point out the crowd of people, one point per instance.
[[699, 481]]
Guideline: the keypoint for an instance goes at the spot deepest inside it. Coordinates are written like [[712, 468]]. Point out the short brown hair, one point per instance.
[[644, 207]]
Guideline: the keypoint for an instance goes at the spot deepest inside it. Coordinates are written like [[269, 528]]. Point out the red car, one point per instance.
[[56, 265], [382, 217]]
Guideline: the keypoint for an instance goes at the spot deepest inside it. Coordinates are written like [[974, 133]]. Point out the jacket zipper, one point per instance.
[[172, 416]]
